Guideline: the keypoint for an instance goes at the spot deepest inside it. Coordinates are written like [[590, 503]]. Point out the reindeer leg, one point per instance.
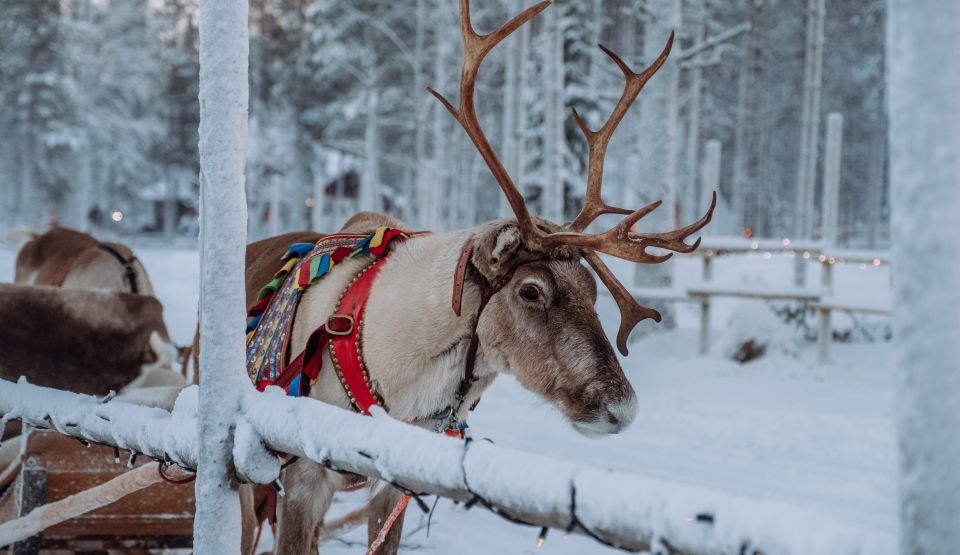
[[248, 519], [309, 492], [382, 504]]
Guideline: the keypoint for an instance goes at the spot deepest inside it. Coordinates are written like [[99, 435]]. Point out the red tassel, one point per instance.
[[303, 275], [340, 253], [259, 307]]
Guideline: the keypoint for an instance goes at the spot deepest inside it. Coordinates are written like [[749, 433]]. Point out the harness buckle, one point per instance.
[[340, 324]]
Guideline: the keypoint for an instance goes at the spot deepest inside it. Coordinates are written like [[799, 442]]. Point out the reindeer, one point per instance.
[[522, 303], [73, 260], [66, 258]]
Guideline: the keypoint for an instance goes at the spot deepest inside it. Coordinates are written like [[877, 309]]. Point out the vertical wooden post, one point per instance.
[[826, 277], [32, 494], [923, 37], [831, 179], [224, 52], [704, 324], [824, 336], [707, 267]]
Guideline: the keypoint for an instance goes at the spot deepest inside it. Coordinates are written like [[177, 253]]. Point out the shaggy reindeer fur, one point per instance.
[[82, 341]]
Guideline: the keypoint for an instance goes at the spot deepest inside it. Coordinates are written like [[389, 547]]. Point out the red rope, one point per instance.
[[256, 541], [64, 269], [394, 515]]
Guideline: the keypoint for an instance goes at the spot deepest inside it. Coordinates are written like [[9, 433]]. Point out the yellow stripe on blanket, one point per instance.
[[378, 237], [286, 268]]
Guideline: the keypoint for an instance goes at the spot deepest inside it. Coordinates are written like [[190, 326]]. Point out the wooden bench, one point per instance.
[[827, 305], [54, 467], [705, 292]]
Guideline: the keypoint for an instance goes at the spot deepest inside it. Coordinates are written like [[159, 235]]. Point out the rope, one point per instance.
[[388, 525], [78, 504], [162, 470]]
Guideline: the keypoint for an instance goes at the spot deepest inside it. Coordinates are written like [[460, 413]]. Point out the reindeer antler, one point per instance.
[[475, 48], [618, 241], [597, 141]]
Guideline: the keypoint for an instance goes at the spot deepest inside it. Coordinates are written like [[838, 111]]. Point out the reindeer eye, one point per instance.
[[530, 293]]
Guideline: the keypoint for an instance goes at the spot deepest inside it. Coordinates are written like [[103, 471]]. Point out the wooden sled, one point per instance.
[[53, 467]]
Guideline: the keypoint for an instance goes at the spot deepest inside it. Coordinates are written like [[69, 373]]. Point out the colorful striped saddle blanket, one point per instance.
[[271, 318]]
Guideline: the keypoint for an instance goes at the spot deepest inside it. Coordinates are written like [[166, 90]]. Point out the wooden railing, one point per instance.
[[616, 508]]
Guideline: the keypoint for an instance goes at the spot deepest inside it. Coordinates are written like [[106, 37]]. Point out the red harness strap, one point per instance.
[[346, 347], [64, 269], [342, 333]]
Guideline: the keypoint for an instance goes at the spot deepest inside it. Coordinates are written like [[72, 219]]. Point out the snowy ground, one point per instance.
[[780, 428]]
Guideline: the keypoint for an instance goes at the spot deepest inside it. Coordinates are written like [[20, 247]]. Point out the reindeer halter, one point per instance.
[[619, 241]]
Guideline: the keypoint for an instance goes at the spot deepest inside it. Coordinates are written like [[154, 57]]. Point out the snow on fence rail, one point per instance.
[[617, 508]]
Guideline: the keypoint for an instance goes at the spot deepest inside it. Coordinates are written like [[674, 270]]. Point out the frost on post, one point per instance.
[[923, 38], [224, 49]]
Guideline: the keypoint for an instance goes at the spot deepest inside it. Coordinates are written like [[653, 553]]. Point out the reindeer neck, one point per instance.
[[414, 345]]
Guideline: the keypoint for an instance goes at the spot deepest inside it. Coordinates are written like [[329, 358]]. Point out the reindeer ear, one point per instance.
[[496, 249]]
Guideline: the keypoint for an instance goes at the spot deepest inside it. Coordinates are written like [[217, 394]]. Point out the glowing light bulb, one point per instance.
[[117, 216], [876, 261], [822, 258], [754, 245], [832, 260], [806, 254], [310, 202], [786, 241]]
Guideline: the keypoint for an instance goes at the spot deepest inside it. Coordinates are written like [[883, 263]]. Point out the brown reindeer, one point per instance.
[[66, 258], [540, 326], [70, 259]]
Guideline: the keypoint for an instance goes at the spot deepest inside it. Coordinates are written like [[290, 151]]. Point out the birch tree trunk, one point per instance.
[[553, 191], [83, 197], [224, 51], [923, 37], [414, 203], [369, 193], [630, 160], [169, 207], [275, 208], [523, 84], [741, 211], [809, 132], [692, 193], [7, 167], [659, 137], [508, 124], [439, 155], [28, 199], [320, 197]]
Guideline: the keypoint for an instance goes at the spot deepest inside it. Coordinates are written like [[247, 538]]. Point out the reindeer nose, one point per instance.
[[621, 413]]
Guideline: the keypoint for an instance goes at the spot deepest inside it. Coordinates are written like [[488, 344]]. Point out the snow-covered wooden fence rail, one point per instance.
[[617, 508]]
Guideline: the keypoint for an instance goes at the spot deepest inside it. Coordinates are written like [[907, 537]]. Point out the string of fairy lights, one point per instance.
[[768, 251]]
